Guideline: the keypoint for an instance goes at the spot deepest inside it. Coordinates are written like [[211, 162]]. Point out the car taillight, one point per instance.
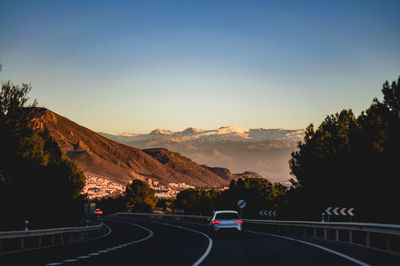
[[215, 222], [99, 212], [238, 222]]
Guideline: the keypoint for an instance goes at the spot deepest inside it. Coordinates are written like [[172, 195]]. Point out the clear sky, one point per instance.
[[132, 66]]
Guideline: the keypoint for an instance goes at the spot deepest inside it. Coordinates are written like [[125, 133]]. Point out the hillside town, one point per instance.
[[98, 187]]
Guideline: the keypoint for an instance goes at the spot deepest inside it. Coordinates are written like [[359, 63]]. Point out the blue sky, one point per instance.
[[132, 66]]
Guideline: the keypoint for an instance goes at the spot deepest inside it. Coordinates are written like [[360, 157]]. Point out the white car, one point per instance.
[[226, 221]]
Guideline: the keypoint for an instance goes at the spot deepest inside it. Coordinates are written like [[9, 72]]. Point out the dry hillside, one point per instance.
[[99, 156]]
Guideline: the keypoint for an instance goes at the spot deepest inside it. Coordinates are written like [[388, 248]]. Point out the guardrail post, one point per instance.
[[315, 232], [325, 233], [61, 239], [22, 242], [337, 234], [1, 245], [52, 240], [388, 245], [39, 241], [367, 239], [351, 236]]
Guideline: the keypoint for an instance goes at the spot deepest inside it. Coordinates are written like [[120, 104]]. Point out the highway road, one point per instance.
[[157, 242]]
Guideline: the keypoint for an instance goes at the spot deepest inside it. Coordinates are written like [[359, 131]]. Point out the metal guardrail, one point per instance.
[[340, 231], [393, 229], [17, 241], [376, 235]]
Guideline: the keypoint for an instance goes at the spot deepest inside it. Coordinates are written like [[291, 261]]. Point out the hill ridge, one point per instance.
[[99, 156]]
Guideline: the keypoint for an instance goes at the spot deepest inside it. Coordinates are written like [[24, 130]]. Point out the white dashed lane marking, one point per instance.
[[71, 260]]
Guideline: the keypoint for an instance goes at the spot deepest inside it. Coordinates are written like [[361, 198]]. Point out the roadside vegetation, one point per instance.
[[259, 193], [351, 161], [137, 197], [38, 183]]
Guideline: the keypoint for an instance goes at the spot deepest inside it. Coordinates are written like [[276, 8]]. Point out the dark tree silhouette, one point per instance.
[[349, 161], [37, 181], [140, 197]]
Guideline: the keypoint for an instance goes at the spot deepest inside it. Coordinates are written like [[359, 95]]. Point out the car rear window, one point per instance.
[[227, 216]]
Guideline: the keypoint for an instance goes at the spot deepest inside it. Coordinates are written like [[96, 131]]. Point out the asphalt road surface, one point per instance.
[[137, 241]]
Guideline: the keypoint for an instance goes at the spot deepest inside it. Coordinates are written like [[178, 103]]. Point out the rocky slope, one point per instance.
[[184, 165]]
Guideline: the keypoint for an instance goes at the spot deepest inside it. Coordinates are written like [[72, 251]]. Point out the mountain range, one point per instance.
[[265, 151], [99, 156]]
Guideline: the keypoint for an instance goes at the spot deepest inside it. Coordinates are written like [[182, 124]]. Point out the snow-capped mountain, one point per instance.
[[266, 151], [230, 133]]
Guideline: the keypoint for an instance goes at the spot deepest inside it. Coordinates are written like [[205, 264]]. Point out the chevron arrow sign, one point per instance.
[[339, 211], [350, 211], [335, 211], [328, 211], [267, 213]]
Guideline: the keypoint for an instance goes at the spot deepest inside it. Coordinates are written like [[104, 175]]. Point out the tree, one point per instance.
[[349, 161], [259, 193], [140, 197], [198, 201], [37, 181], [391, 96]]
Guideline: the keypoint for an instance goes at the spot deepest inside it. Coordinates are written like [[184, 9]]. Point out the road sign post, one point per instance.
[[328, 212], [241, 204]]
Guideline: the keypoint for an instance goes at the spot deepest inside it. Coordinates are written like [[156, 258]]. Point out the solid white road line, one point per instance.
[[150, 235], [210, 242], [356, 261]]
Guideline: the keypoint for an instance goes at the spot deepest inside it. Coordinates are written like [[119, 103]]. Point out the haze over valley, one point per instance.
[[265, 151]]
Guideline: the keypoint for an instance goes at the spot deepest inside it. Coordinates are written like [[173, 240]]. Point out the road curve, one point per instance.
[[157, 242]]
